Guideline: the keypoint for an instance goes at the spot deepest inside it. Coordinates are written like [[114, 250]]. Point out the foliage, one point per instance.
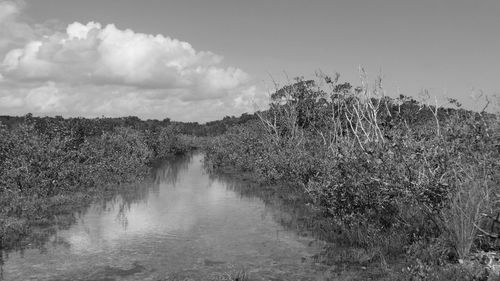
[[374, 165], [46, 158], [164, 141]]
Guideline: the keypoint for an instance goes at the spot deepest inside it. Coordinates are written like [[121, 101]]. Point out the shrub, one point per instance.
[[374, 165], [56, 158]]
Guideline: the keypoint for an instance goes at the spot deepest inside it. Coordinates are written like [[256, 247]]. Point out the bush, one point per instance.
[[374, 165], [56, 158]]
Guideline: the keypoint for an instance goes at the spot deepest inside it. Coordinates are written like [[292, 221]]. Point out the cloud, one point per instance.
[[93, 69], [15, 32], [8, 10], [111, 100], [108, 55], [45, 98]]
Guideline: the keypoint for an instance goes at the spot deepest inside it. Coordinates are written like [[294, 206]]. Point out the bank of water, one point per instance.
[[184, 223]]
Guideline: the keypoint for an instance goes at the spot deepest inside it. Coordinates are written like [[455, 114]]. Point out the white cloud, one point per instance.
[[45, 99], [12, 31], [93, 70], [109, 55], [56, 98], [80, 31], [8, 10], [11, 101]]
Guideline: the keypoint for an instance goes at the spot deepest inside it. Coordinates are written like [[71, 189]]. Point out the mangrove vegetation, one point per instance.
[[411, 185]]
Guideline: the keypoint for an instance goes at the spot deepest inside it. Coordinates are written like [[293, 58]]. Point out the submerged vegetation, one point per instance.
[[392, 175]]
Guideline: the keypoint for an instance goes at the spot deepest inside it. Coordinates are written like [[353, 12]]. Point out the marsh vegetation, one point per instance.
[[399, 178], [390, 187], [50, 166]]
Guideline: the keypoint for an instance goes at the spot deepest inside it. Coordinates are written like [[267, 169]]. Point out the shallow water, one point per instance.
[[186, 224]]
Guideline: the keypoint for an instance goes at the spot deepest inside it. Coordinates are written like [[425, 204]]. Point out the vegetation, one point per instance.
[[387, 177], [48, 164], [393, 175]]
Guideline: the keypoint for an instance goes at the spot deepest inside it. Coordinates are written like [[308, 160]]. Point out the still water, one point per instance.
[[182, 224]]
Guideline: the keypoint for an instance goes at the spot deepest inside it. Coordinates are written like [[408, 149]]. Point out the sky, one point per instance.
[[199, 60]]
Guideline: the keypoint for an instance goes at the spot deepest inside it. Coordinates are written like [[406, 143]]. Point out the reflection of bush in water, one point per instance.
[[119, 198], [289, 206], [168, 171], [123, 199], [44, 234]]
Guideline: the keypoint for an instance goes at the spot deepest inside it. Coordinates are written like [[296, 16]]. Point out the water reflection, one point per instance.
[[288, 205], [168, 171], [182, 221]]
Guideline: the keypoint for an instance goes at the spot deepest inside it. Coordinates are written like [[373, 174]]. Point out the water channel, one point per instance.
[[184, 223]]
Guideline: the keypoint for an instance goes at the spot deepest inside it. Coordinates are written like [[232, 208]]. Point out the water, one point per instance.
[[185, 224]]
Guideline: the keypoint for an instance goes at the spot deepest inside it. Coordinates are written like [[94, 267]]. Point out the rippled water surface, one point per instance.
[[184, 224]]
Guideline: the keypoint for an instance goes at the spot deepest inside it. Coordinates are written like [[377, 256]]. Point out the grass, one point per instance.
[[465, 214]]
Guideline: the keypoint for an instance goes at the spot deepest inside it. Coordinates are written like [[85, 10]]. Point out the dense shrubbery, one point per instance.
[[376, 165], [53, 161], [165, 141]]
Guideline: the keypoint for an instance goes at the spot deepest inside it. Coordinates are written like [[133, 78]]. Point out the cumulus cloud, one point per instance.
[[15, 32], [45, 98], [93, 69], [107, 55], [111, 100], [8, 10], [10, 28]]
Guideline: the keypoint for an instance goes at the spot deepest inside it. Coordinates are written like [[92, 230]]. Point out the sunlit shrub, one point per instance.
[[51, 158], [374, 164]]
